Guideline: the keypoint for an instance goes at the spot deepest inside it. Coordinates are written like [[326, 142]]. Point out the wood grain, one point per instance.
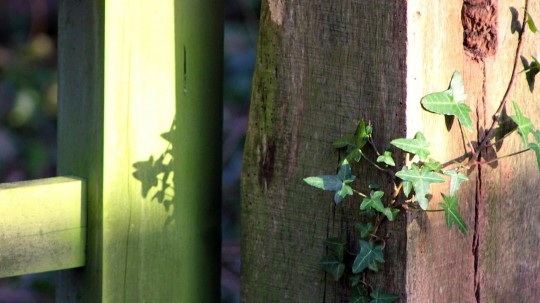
[[43, 227]]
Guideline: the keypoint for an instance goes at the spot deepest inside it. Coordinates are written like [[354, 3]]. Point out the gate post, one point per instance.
[[140, 120]]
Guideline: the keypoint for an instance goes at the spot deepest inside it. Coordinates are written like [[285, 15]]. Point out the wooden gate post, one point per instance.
[[321, 66], [140, 120]]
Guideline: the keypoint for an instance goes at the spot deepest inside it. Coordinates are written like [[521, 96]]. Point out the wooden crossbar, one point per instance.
[[42, 225]]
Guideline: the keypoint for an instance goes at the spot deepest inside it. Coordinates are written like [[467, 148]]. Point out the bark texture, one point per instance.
[[321, 66]]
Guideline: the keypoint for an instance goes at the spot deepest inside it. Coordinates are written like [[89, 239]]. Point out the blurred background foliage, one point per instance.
[[28, 114]]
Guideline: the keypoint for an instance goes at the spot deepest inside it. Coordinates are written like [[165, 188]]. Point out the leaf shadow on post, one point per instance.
[[515, 25], [156, 175], [530, 70]]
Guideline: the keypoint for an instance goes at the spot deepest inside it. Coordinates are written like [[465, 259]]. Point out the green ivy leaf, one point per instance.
[[417, 146], [433, 165], [524, 124], [457, 88], [374, 201], [359, 295], [332, 265], [407, 187], [344, 141], [536, 146], [450, 102], [390, 213], [332, 183], [374, 266], [380, 296], [354, 142], [369, 252], [337, 246], [337, 183], [386, 159], [365, 229], [456, 178], [530, 23], [421, 181], [451, 213]]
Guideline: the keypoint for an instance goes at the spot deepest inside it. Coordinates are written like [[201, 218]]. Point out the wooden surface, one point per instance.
[[323, 65], [509, 217], [43, 227], [140, 118]]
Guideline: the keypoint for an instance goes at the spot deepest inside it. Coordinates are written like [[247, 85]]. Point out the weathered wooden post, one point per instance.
[[140, 121], [321, 66]]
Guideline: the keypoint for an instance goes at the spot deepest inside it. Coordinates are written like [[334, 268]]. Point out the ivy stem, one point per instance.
[[360, 193], [501, 157], [395, 194], [511, 85], [373, 163], [502, 138], [370, 140]]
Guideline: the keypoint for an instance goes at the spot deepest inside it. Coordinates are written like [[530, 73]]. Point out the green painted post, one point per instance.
[[140, 120], [43, 225]]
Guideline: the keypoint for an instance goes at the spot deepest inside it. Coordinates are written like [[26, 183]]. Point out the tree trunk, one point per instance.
[[321, 66]]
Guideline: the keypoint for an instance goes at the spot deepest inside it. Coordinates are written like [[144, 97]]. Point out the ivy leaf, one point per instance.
[[456, 178], [386, 159], [365, 229], [451, 213], [524, 124], [390, 213], [380, 296], [530, 23], [355, 280], [374, 201], [417, 146], [421, 181], [337, 246], [407, 187], [337, 183], [369, 252], [344, 141], [433, 165], [332, 265], [536, 146], [354, 142], [358, 295], [457, 88], [450, 102]]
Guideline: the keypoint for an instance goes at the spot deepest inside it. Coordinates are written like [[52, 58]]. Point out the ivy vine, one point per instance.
[[412, 183]]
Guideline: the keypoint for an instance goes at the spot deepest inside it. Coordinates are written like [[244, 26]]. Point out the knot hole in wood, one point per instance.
[[479, 20]]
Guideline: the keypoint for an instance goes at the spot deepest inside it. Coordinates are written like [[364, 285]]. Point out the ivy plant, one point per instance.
[[412, 190]]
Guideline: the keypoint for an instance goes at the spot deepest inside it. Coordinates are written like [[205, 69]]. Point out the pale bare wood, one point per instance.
[[43, 226]]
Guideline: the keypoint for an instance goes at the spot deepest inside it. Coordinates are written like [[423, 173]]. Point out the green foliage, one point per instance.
[[451, 213], [416, 177], [456, 178], [354, 142], [386, 158], [421, 181], [369, 253], [333, 262], [338, 183], [530, 23], [417, 146], [380, 296], [450, 102]]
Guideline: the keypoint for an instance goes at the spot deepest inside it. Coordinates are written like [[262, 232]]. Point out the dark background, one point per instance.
[[28, 101]]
